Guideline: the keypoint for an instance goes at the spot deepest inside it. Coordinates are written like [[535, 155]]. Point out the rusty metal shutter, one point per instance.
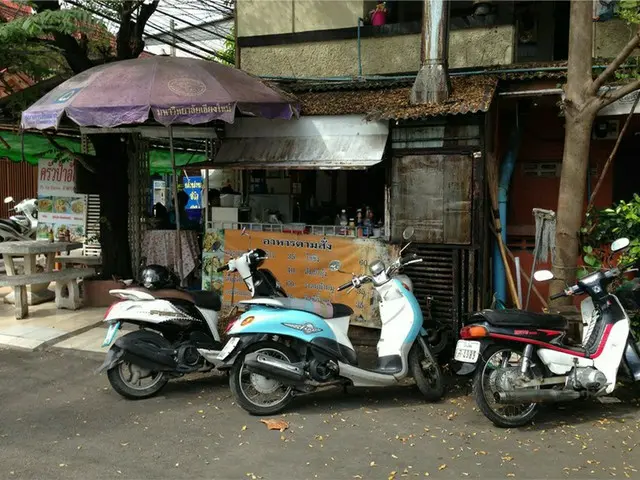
[[434, 278], [432, 193]]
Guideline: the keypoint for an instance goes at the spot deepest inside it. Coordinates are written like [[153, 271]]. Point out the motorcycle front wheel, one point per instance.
[[494, 359], [255, 393], [427, 373]]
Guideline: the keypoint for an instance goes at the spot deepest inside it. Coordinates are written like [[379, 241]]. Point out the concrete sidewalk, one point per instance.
[[45, 326]]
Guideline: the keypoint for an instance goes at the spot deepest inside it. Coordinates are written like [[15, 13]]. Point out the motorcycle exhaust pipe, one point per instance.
[[273, 368], [147, 355], [516, 397]]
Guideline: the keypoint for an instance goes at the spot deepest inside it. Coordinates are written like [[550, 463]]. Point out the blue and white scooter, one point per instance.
[[281, 347]]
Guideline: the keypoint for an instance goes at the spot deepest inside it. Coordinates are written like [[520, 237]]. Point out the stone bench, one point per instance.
[[67, 278]]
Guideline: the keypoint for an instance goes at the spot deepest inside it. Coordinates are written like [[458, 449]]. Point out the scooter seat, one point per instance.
[[207, 300], [520, 318], [322, 309]]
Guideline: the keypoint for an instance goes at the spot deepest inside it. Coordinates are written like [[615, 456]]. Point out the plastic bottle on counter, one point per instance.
[[368, 224], [343, 222], [359, 217], [352, 227]]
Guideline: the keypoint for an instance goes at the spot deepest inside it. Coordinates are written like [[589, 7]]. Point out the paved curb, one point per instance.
[[66, 336]]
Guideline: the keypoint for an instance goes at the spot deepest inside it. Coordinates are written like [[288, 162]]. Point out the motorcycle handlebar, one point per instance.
[[345, 286], [223, 268], [557, 295]]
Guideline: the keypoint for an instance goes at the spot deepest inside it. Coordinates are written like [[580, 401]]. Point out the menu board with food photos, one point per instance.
[[61, 212]]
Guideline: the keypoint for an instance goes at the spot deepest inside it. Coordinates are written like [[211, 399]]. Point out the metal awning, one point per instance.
[[315, 142]]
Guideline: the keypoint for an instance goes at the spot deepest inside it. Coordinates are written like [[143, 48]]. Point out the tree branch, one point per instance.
[[82, 158], [615, 64], [77, 59], [145, 13], [613, 95]]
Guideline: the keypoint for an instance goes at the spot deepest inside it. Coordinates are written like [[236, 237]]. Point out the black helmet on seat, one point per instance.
[[156, 277]]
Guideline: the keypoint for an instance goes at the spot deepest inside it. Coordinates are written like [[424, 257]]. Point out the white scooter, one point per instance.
[[281, 347], [524, 358], [22, 226], [178, 329]]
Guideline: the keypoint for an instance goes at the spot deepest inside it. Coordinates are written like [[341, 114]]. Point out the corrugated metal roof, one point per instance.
[[468, 95]]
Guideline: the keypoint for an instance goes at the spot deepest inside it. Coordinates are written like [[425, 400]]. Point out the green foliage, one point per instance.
[[629, 11], [603, 227], [228, 53], [68, 21]]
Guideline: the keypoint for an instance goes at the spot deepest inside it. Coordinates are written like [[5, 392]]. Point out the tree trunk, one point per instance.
[[579, 116], [570, 211], [112, 169]]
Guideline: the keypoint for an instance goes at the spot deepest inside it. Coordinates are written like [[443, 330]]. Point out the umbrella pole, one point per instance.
[[175, 206]]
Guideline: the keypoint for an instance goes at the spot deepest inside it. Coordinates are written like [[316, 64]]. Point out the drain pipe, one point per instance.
[[506, 172], [360, 23]]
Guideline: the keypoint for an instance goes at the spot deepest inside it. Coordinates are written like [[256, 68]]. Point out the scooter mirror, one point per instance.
[[543, 275], [216, 246], [8, 200], [408, 233], [620, 244], [334, 265]]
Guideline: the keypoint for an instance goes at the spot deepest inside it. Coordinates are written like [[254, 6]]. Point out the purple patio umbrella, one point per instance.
[[170, 90]]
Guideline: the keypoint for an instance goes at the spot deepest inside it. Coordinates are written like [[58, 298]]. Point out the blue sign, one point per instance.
[[66, 96], [193, 188]]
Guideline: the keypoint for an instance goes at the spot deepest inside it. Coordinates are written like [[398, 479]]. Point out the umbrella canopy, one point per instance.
[[171, 90]]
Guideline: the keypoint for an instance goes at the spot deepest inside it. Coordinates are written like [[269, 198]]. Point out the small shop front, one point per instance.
[[313, 190]]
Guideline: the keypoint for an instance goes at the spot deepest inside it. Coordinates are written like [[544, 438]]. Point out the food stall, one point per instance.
[[312, 190]]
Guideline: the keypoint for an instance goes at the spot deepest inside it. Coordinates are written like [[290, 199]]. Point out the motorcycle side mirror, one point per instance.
[[408, 233], [216, 246], [620, 244], [543, 275], [8, 199], [335, 265]]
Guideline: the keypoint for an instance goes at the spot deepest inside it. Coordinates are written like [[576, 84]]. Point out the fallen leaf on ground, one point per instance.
[[442, 467], [274, 424], [244, 427], [372, 464]]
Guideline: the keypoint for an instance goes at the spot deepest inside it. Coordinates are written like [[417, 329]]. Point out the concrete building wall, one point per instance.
[[380, 55], [610, 37], [260, 17]]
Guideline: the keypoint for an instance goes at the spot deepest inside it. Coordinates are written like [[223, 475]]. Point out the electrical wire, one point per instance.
[[199, 27], [156, 37]]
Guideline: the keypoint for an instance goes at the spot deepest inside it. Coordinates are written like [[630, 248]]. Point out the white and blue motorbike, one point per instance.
[[283, 347]]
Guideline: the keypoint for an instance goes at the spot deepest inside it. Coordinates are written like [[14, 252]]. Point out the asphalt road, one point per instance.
[[59, 420]]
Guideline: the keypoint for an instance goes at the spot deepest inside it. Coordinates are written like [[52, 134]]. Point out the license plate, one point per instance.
[[467, 351], [228, 348], [111, 334]]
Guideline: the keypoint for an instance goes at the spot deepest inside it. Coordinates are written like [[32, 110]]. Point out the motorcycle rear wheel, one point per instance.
[[240, 389], [481, 395], [125, 384]]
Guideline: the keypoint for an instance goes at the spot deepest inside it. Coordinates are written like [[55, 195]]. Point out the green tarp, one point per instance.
[[36, 146]]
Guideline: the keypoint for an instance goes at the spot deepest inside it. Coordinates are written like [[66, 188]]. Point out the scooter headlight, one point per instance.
[[376, 268]]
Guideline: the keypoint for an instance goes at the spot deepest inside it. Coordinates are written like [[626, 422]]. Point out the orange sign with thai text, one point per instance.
[[301, 265]]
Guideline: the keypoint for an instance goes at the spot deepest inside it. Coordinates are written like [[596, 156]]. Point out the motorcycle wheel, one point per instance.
[[127, 378], [504, 416], [241, 381], [426, 373]]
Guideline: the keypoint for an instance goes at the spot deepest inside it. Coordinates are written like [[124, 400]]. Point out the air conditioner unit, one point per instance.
[[605, 129]]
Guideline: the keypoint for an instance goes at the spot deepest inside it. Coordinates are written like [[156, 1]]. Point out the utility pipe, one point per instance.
[[506, 172]]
